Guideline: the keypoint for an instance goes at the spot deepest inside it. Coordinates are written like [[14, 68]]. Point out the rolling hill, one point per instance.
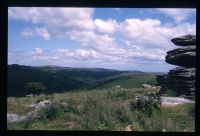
[[60, 79]]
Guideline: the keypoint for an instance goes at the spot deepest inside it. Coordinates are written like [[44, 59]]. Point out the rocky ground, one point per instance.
[[166, 101], [173, 101]]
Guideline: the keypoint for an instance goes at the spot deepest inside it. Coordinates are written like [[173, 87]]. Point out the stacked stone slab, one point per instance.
[[181, 79]]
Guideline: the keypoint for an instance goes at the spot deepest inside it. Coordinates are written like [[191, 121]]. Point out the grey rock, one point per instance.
[[29, 95], [185, 40], [181, 72], [43, 104], [127, 104], [128, 128], [161, 79], [32, 106], [15, 118], [30, 115], [182, 50], [184, 56], [175, 100], [181, 80], [146, 86]]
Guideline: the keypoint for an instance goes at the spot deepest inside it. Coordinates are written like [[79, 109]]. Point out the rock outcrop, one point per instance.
[[15, 118], [186, 40], [181, 79], [173, 101], [184, 56], [31, 114]]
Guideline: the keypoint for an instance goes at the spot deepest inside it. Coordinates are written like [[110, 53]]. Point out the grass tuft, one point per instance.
[[102, 110]]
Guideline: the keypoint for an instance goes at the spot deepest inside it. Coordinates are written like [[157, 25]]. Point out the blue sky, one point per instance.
[[114, 38]]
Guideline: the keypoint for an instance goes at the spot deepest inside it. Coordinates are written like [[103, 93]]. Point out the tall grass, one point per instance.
[[102, 110]]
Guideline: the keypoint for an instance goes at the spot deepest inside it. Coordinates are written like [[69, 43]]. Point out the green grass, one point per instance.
[[126, 81], [101, 110]]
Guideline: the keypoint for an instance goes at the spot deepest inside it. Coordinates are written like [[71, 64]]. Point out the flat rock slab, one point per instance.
[[29, 106], [184, 59], [15, 118], [32, 114], [182, 50], [42, 104], [183, 72], [185, 40], [173, 101]]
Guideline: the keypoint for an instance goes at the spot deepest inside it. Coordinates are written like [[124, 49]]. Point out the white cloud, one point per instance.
[[37, 31], [79, 18], [89, 39], [38, 51], [43, 32], [100, 42], [150, 33], [107, 26], [178, 15], [85, 57], [27, 32]]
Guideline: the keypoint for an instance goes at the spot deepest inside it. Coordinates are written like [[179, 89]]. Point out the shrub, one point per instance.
[[147, 103], [27, 124], [52, 112], [35, 87]]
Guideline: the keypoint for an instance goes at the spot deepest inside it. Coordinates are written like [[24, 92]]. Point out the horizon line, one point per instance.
[[88, 68]]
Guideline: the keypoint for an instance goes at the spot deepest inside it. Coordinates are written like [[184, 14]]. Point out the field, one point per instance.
[[101, 110], [91, 103]]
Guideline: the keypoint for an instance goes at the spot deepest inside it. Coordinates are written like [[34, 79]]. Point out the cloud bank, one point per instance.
[[101, 42]]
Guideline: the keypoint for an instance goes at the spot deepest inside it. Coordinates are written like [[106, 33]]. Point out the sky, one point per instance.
[[113, 38]]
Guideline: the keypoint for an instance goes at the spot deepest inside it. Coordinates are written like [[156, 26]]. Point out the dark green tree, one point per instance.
[[35, 87]]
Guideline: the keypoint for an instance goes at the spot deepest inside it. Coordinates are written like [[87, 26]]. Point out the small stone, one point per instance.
[[42, 104], [64, 104], [146, 86], [128, 128]]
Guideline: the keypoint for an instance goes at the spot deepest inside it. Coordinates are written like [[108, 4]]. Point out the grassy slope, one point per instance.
[[62, 79], [126, 81], [55, 79], [103, 110]]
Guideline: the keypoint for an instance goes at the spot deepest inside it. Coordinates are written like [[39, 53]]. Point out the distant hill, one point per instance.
[[57, 79], [126, 80]]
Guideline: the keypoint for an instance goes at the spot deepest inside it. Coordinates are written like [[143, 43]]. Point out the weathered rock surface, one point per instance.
[[165, 100], [182, 79], [32, 106], [128, 128], [185, 40], [183, 73], [172, 101], [32, 114], [146, 86], [42, 104], [15, 118], [161, 79], [185, 56]]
